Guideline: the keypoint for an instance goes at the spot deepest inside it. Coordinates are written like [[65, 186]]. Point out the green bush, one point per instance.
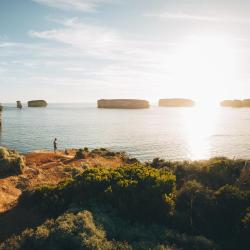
[[137, 191], [11, 163], [213, 173], [102, 229]]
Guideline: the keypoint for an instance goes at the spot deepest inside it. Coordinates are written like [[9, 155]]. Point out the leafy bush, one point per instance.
[[69, 231], [137, 191], [11, 163], [213, 173], [102, 229]]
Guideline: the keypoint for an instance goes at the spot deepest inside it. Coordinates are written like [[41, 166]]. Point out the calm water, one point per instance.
[[170, 133]]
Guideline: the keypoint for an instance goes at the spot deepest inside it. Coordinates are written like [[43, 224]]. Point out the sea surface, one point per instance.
[[169, 133]]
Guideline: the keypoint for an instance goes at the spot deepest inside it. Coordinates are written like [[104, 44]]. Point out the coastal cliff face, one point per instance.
[[37, 103], [1, 109], [236, 103], [122, 104], [176, 102]]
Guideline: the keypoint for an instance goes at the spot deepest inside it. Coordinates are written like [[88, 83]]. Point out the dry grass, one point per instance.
[[47, 168]]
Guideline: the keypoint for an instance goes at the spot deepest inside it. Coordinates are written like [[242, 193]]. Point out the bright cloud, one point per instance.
[[201, 18], [78, 5]]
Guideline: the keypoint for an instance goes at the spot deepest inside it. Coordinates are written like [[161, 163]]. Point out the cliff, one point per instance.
[[1, 109], [176, 102], [37, 103], [236, 103], [122, 104]]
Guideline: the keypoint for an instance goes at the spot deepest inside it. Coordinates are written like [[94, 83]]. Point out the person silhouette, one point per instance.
[[55, 145]]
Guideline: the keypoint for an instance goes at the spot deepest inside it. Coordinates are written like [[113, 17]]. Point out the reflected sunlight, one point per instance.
[[199, 124]]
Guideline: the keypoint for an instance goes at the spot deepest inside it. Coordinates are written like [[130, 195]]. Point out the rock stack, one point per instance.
[[236, 103], [37, 104], [122, 104], [19, 105], [176, 102]]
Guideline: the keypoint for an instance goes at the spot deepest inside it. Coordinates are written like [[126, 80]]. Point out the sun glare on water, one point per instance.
[[199, 125], [204, 69]]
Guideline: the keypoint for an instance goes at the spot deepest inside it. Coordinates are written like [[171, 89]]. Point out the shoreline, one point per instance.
[[44, 167]]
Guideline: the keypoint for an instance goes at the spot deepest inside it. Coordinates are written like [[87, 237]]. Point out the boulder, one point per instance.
[[176, 102], [37, 103], [123, 104]]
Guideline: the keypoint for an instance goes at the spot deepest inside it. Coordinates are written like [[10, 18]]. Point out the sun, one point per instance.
[[205, 68]]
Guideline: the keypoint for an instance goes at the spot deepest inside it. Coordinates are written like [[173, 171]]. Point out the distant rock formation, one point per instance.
[[19, 105], [1, 109], [236, 103], [176, 102], [123, 104], [37, 103]]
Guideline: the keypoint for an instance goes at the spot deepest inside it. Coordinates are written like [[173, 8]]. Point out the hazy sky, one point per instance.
[[82, 50]]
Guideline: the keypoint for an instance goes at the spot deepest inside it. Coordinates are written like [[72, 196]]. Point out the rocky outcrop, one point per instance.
[[1, 109], [19, 104], [37, 104], [123, 104], [236, 103], [176, 102]]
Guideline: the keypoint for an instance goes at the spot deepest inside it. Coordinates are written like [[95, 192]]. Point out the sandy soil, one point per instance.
[[47, 168]]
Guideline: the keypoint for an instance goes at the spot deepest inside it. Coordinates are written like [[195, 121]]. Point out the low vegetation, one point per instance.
[[11, 163], [156, 205]]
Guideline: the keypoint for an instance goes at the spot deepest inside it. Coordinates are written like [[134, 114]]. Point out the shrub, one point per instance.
[[69, 231], [137, 191], [11, 163], [103, 229], [80, 154]]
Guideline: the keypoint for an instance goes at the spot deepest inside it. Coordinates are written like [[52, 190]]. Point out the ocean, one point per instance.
[[169, 133]]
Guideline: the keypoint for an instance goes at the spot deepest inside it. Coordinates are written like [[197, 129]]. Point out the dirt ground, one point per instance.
[[47, 168]]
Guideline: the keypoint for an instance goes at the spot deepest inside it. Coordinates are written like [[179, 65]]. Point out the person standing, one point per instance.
[[55, 145]]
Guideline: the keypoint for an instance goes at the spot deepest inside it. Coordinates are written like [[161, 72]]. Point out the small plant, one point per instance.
[[11, 163], [80, 154]]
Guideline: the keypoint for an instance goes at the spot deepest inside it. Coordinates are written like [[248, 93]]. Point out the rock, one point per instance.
[[37, 104], [1, 109], [19, 104], [176, 102], [246, 102], [123, 104], [236, 103]]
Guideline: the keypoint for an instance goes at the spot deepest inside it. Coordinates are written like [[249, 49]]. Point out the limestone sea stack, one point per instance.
[[37, 104], [236, 103], [176, 102], [122, 104], [19, 105]]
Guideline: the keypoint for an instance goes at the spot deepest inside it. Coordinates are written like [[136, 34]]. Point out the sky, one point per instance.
[[84, 50]]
